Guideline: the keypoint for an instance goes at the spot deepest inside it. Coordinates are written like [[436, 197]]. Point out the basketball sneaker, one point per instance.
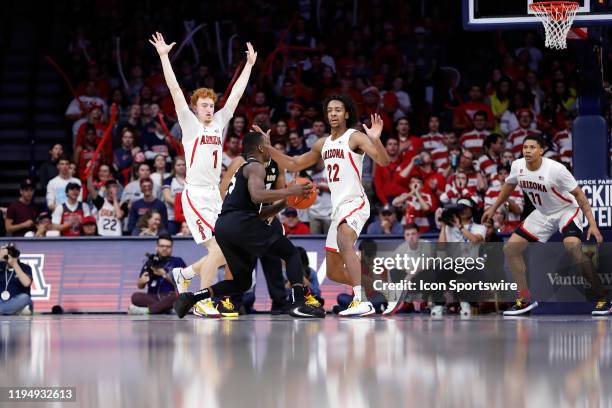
[[183, 304], [392, 307], [182, 283], [226, 308], [358, 308], [465, 310], [26, 311], [437, 311], [309, 307], [602, 308], [206, 308], [521, 306], [137, 310]]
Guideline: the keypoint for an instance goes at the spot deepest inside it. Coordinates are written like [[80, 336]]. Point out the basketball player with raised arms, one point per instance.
[[558, 202], [342, 154], [244, 234], [203, 130]]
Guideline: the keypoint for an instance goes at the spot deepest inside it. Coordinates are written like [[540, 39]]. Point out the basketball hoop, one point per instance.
[[557, 17]]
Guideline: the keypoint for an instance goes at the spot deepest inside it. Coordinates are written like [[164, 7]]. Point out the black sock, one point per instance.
[[297, 294], [201, 294]]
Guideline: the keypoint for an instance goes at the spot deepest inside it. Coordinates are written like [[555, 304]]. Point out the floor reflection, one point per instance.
[[278, 362]]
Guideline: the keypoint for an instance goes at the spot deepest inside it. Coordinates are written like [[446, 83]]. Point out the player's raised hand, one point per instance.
[[376, 126], [260, 130], [593, 230], [157, 40], [251, 54]]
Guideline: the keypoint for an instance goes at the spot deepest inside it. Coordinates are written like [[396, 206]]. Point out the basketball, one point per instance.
[[304, 202]]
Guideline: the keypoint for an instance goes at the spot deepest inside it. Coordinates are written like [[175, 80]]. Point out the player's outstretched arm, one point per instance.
[[504, 194], [295, 163], [241, 82], [370, 141], [157, 40], [588, 213], [256, 174]]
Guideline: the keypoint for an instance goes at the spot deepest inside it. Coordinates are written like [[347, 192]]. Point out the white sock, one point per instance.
[[357, 292], [188, 272]]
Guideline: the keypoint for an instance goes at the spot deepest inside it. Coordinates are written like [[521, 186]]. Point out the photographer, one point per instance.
[[15, 281], [156, 275], [458, 226]]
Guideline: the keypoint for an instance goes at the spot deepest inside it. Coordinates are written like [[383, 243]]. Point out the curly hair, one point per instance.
[[349, 106], [202, 93]]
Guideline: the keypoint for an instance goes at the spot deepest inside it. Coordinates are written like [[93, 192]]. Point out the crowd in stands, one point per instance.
[[454, 119]]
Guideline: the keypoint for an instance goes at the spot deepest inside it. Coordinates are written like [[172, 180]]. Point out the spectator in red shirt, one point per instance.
[[417, 204], [409, 144], [293, 225], [464, 114], [384, 185], [85, 152], [420, 165], [371, 102]]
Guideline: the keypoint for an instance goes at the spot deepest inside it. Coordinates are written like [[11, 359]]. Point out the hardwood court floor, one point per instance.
[[268, 361]]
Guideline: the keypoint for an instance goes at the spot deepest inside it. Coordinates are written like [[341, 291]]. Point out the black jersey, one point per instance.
[[238, 197], [271, 175]]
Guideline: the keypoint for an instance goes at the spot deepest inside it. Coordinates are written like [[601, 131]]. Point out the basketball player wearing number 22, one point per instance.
[[558, 202], [343, 152]]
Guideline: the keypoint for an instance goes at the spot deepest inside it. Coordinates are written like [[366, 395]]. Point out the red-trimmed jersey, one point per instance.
[[547, 187], [473, 140], [514, 141], [203, 146], [343, 170], [74, 218]]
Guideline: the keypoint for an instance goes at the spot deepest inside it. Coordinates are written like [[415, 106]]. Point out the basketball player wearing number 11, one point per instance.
[[342, 154], [202, 140], [558, 201]]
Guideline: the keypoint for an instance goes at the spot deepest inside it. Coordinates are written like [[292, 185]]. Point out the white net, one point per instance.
[[557, 17]]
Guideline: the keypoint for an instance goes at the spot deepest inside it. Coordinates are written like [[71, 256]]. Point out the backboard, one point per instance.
[[515, 14]]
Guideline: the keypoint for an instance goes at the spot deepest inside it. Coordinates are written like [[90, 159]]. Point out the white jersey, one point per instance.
[[203, 146], [343, 169], [108, 223], [548, 187]]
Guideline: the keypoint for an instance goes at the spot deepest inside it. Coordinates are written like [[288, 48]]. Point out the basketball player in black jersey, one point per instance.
[[271, 265], [244, 235]]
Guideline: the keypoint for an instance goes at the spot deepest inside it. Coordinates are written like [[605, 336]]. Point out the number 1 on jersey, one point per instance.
[[215, 154]]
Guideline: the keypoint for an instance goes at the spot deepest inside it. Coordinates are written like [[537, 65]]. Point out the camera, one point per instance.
[[155, 261], [12, 251], [448, 215]]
